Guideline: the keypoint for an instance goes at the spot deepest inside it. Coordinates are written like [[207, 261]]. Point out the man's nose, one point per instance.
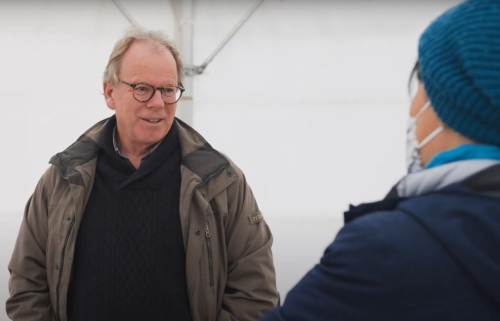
[[156, 101]]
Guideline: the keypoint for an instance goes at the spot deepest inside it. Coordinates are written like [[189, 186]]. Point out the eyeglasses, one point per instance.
[[144, 92]]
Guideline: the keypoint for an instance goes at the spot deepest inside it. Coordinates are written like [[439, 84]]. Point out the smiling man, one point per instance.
[[141, 219]]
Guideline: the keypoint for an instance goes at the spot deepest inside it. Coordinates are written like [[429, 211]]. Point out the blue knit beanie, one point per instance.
[[459, 58]]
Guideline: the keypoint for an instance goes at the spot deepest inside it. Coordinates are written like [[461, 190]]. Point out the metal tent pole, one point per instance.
[[185, 105]]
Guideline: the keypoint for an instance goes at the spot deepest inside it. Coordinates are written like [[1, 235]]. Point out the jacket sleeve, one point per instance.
[[251, 284], [353, 281], [28, 287]]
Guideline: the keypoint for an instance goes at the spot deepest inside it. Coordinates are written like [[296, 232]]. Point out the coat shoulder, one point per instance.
[[51, 186]]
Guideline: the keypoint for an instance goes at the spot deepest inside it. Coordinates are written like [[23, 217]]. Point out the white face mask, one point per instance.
[[413, 160]]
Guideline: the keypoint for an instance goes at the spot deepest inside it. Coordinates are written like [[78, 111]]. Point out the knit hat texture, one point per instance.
[[459, 59]]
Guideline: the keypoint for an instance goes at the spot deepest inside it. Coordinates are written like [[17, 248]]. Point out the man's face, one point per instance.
[[153, 65]]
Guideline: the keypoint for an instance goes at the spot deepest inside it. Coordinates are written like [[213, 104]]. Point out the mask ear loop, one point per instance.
[[424, 108], [430, 137], [434, 133]]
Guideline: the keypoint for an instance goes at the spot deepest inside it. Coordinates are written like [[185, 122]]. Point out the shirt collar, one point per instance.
[[117, 150]]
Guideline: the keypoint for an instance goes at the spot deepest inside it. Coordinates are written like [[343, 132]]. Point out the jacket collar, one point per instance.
[[197, 154], [482, 176], [437, 178]]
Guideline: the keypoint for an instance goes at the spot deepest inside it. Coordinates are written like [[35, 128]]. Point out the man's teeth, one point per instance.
[[153, 120]]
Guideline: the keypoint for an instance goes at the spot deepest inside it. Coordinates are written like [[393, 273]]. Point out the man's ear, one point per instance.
[[108, 94]]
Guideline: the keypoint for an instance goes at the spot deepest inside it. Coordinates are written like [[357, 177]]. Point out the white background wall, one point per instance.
[[310, 99]]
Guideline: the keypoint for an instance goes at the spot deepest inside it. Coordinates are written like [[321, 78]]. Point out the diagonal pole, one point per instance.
[[198, 70], [122, 9]]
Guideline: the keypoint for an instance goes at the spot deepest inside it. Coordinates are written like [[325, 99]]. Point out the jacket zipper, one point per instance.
[[210, 261], [58, 316], [191, 198]]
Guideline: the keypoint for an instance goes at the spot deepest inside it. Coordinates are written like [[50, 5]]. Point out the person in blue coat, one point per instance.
[[431, 249]]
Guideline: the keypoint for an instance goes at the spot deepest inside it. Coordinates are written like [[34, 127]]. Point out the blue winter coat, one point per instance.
[[432, 253]]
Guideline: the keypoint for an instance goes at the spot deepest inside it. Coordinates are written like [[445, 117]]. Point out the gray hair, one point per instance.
[[155, 38]]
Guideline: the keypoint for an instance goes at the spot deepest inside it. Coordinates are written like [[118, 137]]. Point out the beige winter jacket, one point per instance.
[[229, 264]]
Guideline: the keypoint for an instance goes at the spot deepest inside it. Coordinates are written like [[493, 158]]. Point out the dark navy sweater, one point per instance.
[[129, 259]]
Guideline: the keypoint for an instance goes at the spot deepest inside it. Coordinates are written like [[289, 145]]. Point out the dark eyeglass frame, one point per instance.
[[161, 89]]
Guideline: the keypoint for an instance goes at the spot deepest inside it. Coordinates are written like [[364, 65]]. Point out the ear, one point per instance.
[[108, 95]]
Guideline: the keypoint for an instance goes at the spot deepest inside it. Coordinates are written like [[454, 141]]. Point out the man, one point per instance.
[[141, 219], [430, 250]]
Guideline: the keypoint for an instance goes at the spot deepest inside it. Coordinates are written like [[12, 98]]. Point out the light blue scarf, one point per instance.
[[465, 152], [449, 167]]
